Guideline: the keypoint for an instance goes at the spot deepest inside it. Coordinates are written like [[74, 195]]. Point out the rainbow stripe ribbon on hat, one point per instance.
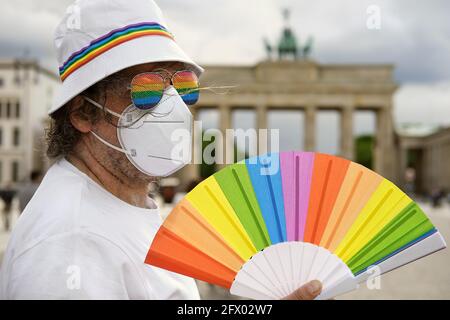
[[109, 41]]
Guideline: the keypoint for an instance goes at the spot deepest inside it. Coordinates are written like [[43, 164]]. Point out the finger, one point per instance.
[[308, 291]]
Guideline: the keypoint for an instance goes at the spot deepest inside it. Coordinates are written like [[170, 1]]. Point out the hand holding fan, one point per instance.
[[265, 226]]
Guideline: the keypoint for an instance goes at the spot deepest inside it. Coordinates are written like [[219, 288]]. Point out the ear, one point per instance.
[[77, 116]]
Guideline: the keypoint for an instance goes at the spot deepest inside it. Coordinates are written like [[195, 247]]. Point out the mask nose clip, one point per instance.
[[129, 117]]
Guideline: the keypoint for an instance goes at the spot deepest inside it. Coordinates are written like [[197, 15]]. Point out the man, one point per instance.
[[86, 232]]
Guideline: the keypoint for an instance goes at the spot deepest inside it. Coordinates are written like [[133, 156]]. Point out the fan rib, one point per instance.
[[324, 274], [308, 258], [392, 207], [403, 248], [419, 226], [383, 235], [271, 268], [186, 222], [335, 183], [409, 223], [322, 267], [291, 260], [310, 269], [267, 184], [307, 195], [328, 176], [262, 284], [322, 199], [344, 209], [250, 207], [383, 200], [214, 235], [236, 186], [284, 273], [377, 227], [367, 187], [170, 252], [238, 230], [275, 209], [274, 285], [334, 272], [296, 172], [297, 197], [299, 275]]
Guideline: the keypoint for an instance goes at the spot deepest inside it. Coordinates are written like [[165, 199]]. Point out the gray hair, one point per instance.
[[61, 135]]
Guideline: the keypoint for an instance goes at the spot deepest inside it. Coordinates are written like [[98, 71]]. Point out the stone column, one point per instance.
[[261, 118], [347, 139], [310, 128], [261, 115], [384, 149], [225, 123]]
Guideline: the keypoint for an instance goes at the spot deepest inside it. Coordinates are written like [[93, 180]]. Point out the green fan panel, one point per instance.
[[237, 187], [407, 226]]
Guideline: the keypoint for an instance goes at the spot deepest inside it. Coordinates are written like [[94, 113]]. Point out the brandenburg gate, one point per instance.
[[310, 87], [290, 80]]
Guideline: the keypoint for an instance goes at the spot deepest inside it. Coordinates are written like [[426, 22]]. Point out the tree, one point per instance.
[[364, 150], [207, 169]]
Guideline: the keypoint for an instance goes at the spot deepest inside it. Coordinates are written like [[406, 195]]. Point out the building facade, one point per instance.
[[429, 156], [26, 92]]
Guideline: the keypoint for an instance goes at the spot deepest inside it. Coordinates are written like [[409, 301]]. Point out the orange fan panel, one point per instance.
[[357, 188], [186, 222], [328, 175], [172, 253], [356, 201]]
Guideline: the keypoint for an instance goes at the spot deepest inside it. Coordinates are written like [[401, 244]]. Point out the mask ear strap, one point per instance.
[[111, 145], [98, 105]]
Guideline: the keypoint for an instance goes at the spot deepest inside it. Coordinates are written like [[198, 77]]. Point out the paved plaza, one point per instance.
[[428, 278]]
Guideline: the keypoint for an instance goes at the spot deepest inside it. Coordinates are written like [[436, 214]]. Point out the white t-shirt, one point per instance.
[[75, 240]]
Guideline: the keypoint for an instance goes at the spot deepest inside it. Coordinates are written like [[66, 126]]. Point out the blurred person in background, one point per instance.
[[437, 195], [86, 231], [410, 181], [27, 190], [7, 195]]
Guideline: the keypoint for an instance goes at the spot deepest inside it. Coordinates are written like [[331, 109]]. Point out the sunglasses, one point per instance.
[[148, 88]]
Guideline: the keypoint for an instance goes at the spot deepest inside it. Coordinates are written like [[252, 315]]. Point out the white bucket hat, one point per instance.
[[97, 38]]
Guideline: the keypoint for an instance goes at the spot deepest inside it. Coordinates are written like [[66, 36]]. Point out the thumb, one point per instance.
[[308, 291]]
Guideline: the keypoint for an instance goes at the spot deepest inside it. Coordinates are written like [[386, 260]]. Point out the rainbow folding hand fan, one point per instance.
[[265, 226]]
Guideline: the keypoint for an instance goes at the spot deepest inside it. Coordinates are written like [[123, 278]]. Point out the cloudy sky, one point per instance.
[[414, 35]]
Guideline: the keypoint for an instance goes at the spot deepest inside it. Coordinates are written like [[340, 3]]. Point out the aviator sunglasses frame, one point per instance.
[[162, 78]]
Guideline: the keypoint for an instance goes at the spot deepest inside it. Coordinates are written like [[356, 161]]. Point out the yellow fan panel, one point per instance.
[[384, 204], [212, 204], [357, 187]]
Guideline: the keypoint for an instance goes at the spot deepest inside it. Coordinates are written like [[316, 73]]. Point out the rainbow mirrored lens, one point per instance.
[[147, 90], [186, 84]]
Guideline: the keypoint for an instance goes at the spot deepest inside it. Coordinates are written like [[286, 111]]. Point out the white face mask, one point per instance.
[[157, 142]]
